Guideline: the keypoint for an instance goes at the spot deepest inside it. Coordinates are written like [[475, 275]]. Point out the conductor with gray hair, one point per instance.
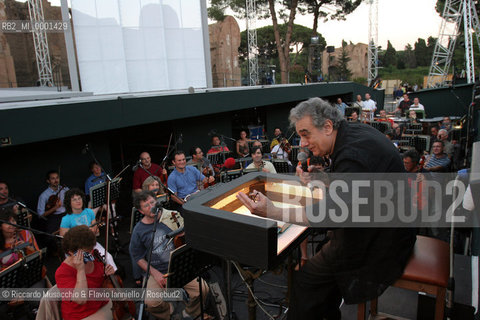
[[356, 264]]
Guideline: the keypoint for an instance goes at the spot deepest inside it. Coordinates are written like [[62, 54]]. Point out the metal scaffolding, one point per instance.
[[373, 41], [453, 13], [44, 66], [251, 18]]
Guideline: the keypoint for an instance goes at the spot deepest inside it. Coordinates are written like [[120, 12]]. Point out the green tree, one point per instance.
[[342, 64], [410, 61], [421, 53], [315, 7], [390, 56], [285, 10]]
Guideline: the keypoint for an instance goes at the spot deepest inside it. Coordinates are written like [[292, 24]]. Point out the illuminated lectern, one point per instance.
[[216, 222]]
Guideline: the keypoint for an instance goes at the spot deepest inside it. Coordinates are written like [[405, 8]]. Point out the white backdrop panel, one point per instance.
[[139, 45]]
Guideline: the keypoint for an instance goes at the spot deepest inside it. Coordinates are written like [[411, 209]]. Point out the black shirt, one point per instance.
[[366, 260]]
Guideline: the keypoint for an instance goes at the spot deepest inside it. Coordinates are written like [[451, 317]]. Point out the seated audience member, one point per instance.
[[448, 147], [383, 117], [11, 237], [417, 105], [397, 131], [97, 177], [242, 145], [216, 145], [183, 179], [412, 115], [259, 163], [354, 117], [78, 214], [152, 184], [80, 272], [50, 202], [341, 106], [139, 246], [438, 161], [446, 124]]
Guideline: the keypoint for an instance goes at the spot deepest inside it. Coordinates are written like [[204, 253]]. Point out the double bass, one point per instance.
[[120, 309]]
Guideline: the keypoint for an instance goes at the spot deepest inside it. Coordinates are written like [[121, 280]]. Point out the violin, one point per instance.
[[120, 309], [52, 200], [207, 172], [179, 239]]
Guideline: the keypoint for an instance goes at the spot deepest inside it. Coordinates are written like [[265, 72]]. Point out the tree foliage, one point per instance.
[[342, 64], [285, 11], [390, 56], [421, 53]]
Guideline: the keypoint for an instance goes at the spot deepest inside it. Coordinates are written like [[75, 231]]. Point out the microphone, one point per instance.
[[138, 164], [85, 149], [229, 163], [302, 158], [174, 233]]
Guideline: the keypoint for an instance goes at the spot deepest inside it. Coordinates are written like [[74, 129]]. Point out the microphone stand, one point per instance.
[[115, 234], [149, 254], [21, 204], [31, 229]]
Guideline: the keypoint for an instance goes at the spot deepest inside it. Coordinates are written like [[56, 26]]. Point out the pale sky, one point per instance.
[[400, 21]]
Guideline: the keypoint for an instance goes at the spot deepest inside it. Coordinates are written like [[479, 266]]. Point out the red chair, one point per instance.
[[427, 271]]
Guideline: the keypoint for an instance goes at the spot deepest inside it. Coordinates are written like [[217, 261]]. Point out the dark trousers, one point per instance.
[[315, 294]]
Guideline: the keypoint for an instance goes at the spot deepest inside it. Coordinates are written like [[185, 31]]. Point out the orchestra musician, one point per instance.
[[282, 150], [357, 264], [78, 214], [141, 173], [5, 202], [139, 247], [97, 176], [202, 163], [11, 237], [242, 145], [217, 146], [259, 163], [152, 184], [183, 179], [79, 272], [277, 134], [50, 202]]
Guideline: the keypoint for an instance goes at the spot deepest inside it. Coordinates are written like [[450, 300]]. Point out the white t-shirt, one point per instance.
[[369, 106], [266, 164], [281, 154]]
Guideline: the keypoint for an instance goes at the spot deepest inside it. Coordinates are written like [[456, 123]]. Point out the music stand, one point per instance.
[[23, 218], [281, 165], [32, 269], [98, 193], [186, 265], [136, 216], [230, 175], [9, 277], [217, 158]]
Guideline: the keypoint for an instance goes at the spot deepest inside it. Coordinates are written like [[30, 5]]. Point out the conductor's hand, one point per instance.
[[305, 177], [257, 203]]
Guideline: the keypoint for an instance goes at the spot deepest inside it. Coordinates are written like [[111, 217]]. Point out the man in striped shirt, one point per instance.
[[438, 161]]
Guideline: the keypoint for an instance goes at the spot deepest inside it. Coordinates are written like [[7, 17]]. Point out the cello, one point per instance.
[[120, 309]]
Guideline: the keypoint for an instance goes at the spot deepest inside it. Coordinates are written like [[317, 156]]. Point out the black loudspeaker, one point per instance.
[[330, 49]]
